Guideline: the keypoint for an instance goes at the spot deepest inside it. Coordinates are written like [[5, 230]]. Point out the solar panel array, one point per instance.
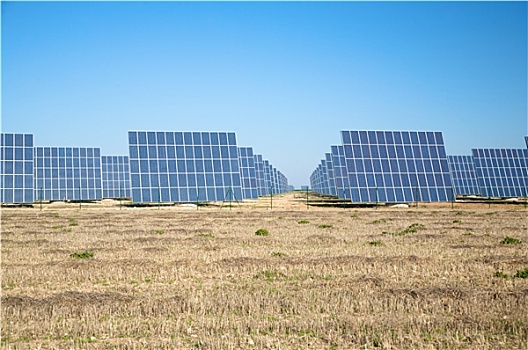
[[115, 177], [195, 166], [248, 172], [463, 175], [502, 172], [184, 166], [392, 166], [67, 173], [16, 168], [164, 166]]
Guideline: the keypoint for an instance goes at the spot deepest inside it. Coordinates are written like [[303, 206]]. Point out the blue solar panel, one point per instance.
[[502, 172], [280, 188], [283, 182], [317, 180], [115, 176], [184, 166], [340, 173], [330, 174], [274, 180], [396, 166], [16, 168], [259, 171], [267, 176], [67, 173], [463, 175], [323, 178], [248, 172]]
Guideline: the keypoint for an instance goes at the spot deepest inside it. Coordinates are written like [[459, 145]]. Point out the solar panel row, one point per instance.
[[390, 166], [161, 166], [414, 165], [195, 166]]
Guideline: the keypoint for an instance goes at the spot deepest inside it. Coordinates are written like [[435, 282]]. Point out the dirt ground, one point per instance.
[[101, 276]]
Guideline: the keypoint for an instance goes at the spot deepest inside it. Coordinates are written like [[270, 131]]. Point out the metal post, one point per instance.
[[159, 197], [40, 199], [80, 197], [197, 197], [452, 197], [120, 195], [376, 189]]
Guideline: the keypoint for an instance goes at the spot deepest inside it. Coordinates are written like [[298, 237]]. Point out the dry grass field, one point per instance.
[[101, 277]]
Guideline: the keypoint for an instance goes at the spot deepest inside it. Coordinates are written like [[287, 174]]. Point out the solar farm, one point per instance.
[[193, 242]]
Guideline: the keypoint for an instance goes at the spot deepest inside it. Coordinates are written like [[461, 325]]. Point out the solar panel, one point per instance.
[[330, 175], [283, 183], [247, 172], [526, 140], [280, 181], [316, 180], [340, 174], [115, 176], [317, 185], [67, 173], [274, 179], [16, 168], [184, 166], [396, 166], [463, 175], [259, 172], [324, 178], [267, 176], [502, 172]]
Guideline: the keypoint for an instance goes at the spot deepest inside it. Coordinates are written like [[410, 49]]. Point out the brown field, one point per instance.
[[430, 277]]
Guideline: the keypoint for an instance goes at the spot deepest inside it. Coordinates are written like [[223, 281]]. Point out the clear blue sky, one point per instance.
[[286, 77]]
